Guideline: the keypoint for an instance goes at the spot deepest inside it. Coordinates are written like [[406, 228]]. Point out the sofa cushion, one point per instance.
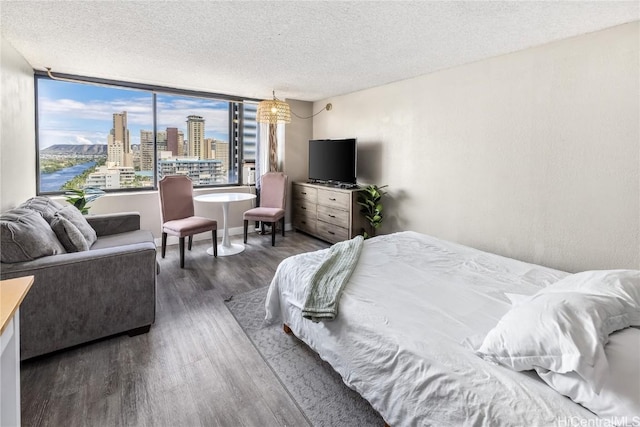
[[72, 214], [123, 239], [43, 205], [69, 235], [25, 236]]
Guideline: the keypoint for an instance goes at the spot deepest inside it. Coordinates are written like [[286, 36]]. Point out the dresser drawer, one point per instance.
[[334, 199], [302, 192], [305, 222], [331, 233], [304, 207], [333, 216]]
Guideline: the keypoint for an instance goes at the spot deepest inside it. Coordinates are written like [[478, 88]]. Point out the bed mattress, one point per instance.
[[408, 316]]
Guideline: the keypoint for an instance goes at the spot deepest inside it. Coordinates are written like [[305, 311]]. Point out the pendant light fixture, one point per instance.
[[273, 111]]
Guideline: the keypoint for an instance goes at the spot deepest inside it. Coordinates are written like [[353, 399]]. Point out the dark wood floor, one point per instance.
[[195, 367]]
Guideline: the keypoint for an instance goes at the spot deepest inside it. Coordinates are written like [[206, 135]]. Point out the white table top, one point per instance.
[[224, 197]]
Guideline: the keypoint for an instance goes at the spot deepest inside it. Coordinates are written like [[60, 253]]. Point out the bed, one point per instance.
[[409, 318]]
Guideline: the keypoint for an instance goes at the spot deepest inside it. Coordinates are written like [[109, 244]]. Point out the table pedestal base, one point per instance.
[[232, 249]]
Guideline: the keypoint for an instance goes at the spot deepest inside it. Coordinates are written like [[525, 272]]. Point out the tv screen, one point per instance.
[[332, 160]]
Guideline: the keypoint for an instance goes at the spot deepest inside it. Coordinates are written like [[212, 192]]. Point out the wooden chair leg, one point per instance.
[[246, 227], [215, 243], [282, 226], [181, 252], [273, 233], [164, 243], [190, 241]]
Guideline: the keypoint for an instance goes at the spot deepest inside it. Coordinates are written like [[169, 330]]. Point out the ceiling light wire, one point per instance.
[[327, 107]]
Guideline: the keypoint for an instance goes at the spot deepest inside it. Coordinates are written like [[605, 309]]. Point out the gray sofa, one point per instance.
[[79, 297]]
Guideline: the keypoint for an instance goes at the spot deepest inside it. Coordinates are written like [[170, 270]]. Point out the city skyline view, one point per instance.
[[72, 113]]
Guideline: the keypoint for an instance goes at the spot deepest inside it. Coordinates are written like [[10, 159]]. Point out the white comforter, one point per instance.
[[403, 317]]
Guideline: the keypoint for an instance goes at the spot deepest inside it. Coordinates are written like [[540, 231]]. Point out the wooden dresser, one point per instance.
[[329, 213]]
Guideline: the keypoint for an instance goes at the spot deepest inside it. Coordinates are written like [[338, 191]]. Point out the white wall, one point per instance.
[[296, 150], [17, 131], [534, 155]]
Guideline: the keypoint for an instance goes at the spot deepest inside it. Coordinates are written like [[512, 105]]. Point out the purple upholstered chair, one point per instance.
[[273, 196], [176, 203]]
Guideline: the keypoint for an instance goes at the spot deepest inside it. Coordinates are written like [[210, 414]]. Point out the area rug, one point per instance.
[[312, 383]]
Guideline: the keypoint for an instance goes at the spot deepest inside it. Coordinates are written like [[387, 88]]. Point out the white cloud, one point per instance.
[[69, 121], [82, 140], [138, 109], [49, 137]]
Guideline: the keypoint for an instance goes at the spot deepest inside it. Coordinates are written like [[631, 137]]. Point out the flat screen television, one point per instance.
[[332, 160]]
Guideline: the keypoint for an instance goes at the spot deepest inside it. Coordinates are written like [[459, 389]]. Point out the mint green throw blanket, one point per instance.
[[329, 279]]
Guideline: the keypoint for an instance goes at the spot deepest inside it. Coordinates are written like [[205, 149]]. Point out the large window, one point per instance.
[[117, 138]]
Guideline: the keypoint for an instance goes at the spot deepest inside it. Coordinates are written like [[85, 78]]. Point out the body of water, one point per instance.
[[55, 180]]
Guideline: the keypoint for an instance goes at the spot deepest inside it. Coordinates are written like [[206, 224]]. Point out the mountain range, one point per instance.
[[82, 149]]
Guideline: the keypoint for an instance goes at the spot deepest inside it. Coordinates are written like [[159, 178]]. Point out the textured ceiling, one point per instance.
[[307, 50]]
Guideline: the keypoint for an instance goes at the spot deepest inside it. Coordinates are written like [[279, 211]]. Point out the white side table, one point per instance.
[[12, 292], [226, 247]]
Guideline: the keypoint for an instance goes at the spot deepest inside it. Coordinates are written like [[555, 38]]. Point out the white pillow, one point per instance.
[[564, 327], [619, 398]]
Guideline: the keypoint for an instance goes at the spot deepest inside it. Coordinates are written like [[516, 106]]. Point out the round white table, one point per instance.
[[226, 247]]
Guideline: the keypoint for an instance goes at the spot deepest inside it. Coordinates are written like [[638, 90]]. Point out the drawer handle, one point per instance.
[[331, 216], [331, 232], [303, 192], [303, 207], [332, 199], [303, 222]]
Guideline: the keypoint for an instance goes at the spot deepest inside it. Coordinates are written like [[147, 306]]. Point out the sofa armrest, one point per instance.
[[107, 224]]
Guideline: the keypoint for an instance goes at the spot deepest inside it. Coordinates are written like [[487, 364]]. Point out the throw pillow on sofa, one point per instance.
[[25, 236], [69, 235], [72, 214], [43, 205]]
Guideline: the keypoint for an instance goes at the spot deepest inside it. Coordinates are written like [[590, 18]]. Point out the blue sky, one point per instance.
[[76, 113]]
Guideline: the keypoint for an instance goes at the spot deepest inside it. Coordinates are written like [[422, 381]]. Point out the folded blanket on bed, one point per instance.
[[327, 282]]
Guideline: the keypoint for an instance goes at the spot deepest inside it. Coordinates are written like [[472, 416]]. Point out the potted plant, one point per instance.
[[80, 198], [369, 199]]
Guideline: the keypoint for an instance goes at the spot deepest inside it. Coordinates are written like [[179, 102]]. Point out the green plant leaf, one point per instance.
[[369, 199]]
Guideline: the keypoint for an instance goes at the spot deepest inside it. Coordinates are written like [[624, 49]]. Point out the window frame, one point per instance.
[[236, 149]]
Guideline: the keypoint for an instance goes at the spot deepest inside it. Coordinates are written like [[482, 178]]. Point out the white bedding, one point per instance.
[[403, 316]]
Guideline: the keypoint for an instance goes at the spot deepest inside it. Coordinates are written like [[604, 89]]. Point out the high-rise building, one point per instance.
[[181, 149], [161, 140], [115, 151], [170, 140], [119, 139], [175, 142], [120, 131], [146, 150], [135, 153], [209, 148], [250, 131], [221, 152], [195, 132]]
